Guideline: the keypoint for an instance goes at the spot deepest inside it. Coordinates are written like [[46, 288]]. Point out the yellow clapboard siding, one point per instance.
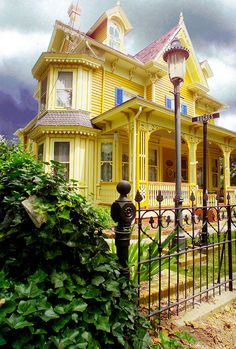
[[96, 96], [113, 81], [164, 88]]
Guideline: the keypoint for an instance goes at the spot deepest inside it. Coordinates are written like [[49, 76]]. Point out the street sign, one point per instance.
[[206, 117]]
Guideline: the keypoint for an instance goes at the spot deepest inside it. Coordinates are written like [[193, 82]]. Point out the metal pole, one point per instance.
[[204, 216], [180, 239]]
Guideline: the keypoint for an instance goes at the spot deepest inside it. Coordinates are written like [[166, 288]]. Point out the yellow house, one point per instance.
[[108, 115]]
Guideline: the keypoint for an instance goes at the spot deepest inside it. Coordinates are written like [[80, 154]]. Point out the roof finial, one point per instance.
[[118, 3], [181, 18], [74, 15]]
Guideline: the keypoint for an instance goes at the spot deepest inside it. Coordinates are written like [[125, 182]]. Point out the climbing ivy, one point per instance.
[[60, 287]]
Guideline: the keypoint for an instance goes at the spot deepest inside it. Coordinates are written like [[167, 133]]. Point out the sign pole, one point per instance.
[[204, 118]]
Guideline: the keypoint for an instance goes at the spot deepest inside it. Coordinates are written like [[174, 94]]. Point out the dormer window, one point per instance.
[[114, 36]]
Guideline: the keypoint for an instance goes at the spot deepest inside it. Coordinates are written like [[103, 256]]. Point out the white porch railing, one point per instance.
[[168, 192]]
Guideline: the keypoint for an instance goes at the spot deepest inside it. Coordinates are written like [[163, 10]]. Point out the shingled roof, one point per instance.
[[66, 118], [150, 52]]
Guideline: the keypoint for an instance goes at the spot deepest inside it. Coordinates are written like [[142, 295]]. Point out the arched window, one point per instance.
[[114, 36]]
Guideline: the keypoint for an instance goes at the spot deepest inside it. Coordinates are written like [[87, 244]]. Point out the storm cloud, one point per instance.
[[26, 27]]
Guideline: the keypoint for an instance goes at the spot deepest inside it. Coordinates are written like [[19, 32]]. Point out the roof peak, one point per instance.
[[181, 18]]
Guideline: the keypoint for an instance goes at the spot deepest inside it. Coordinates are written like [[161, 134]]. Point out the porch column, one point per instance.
[[142, 162], [192, 144], [226, 154]]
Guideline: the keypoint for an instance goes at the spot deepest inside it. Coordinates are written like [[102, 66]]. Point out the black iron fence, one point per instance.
[[173, 274]]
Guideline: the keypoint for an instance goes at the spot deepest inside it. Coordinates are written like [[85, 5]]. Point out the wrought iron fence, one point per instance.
[[173, 276]]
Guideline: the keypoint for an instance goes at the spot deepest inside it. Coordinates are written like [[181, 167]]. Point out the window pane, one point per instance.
[[61, 151], [40, 152], [43, 97], [64, 80], [106, 172], [106, 152], [64, 89], [152, 157], [125, 172]]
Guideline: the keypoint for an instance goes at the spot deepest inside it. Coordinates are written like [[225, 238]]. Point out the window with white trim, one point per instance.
[[169, 103], [114, 36], [122, 95], [62, 155], [106, 162], [64, 86]]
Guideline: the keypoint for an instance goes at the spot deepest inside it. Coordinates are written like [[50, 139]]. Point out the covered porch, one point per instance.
[[137, 144]]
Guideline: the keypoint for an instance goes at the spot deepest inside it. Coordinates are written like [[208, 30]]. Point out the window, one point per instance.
[[122, 95], [62, 155], [184, 168], [106, 162], [169, 103], [152, 165], [64, 90], [114, 36], [184, 109], [43, 94], [125, 162], [233, 170], [215, 172], [40, 152]]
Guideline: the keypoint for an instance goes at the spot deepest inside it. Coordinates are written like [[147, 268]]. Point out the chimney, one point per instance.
[[74, 15]]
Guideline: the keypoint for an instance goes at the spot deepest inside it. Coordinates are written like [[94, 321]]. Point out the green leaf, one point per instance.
[[49, 315], [29, 291], [97, 280], [102, 323], [77, 305], [17, 322], [2, 341], [65, 214], [60, 323], [58, 278], [38, 277], [27, 307]]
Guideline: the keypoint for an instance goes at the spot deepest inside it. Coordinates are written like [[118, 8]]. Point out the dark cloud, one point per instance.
[[14, 115]]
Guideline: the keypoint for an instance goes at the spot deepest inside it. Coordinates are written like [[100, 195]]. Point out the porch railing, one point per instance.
[[168, 192]]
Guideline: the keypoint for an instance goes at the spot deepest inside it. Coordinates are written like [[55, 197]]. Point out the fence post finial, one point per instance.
[[123, 212]]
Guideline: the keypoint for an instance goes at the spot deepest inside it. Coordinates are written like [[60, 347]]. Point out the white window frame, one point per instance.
[[71, 153], [72, 88], [172, 102], [115, 41], [110, 162]]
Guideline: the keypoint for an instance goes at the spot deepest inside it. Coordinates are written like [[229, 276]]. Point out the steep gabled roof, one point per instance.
[[151, 51]]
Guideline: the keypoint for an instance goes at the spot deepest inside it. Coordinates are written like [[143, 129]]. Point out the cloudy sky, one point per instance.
[[26, 27]]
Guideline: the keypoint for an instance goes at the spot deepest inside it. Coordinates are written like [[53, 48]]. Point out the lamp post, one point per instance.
[[175, 57]]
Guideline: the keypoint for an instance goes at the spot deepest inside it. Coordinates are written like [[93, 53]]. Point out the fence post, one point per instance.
[[123, 212], [229, 244]]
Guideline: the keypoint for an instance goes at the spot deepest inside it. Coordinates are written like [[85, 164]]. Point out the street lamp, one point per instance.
[[176, 57]]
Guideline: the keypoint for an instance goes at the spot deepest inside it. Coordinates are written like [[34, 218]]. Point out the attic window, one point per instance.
[[114, 36]]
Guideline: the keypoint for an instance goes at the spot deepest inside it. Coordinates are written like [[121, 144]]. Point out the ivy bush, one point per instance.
[[60, 287]]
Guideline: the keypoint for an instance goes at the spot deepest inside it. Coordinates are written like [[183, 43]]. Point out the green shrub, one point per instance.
[[60, 287]]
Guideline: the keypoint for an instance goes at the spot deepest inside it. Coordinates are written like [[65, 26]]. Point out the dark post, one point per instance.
[[123, 212], [179, 239], [204, 236]]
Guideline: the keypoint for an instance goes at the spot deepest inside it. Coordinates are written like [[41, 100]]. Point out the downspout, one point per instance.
[[135, 151]]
